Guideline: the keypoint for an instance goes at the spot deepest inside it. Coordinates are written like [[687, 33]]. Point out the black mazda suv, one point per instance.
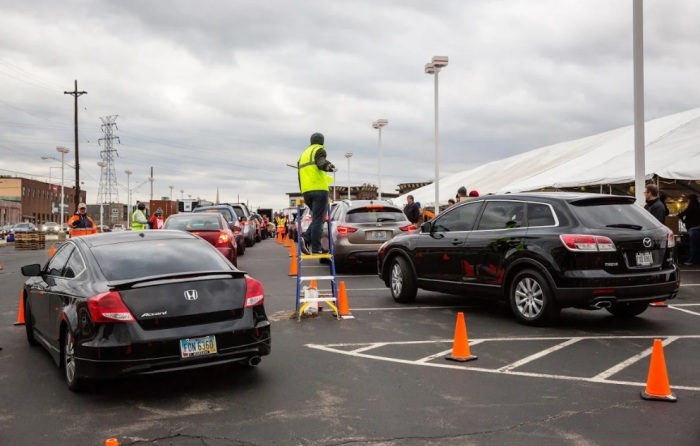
[[539, 252]]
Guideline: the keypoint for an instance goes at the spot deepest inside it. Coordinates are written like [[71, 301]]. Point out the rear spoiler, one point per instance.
[[605, 199], [183, 275]]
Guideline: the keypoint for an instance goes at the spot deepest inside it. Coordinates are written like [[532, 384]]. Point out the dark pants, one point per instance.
[[694, 236], [317, 201]]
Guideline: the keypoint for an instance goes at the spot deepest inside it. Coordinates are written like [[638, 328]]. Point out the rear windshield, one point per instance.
[[194, 222], [598, 215], [368, 215], [123, 261]]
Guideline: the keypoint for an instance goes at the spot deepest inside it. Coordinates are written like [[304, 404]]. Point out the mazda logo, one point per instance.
[[646, 242], [191, 295]]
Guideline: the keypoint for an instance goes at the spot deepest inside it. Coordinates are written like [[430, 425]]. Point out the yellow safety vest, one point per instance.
[[136, 225], [310, 176]]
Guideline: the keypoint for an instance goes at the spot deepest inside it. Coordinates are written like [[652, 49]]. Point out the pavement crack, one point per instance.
[[202, 438]]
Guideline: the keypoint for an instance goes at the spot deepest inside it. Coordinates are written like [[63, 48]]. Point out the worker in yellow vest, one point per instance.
[[139, 222], [313, 183]]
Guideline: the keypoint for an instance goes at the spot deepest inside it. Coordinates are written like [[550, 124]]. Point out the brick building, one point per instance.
[[22, 199]]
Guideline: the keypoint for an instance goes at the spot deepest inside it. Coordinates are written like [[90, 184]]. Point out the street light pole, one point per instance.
[[182, 192], [102, 165], [128, 199], [434, 67], [378, 124], [348, 155], [63, 151], [171, 192]]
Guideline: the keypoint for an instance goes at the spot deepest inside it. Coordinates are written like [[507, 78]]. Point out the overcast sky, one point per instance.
[[224, 94]]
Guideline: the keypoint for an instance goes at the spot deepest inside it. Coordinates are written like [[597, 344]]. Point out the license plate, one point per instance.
[[190, 348], [644, 259], [378, 235]]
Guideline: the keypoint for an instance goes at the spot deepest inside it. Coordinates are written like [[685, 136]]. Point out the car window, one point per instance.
[[59, 260], [196, 222], [540, 214], [502, 215], [459, 218], [75, 265], [598, 215], [157, 257], [239, 212], [371, 215]]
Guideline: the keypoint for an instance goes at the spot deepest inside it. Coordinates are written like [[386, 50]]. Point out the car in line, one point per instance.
[[103, 228], [360, 227], [539, 253], [118, 227], [50, 227], [24, 227], [103, 313], [211, 226], [236, 215], [5, 230]]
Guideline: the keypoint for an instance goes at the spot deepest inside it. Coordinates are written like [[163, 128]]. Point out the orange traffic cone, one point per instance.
[[279, 237], [0, 265], [292, 249], [460, 346], [286, 241], [659, 303], [52, 251], [313, 284], [293, 268], [343, 306], [111, 442], [20, 312], [657, 381]]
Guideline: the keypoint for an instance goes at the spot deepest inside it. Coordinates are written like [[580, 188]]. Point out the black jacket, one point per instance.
[[412, 212], [657, 209], [690, 217]]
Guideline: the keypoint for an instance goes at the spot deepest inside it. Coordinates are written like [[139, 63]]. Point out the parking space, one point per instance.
[[380, 378]]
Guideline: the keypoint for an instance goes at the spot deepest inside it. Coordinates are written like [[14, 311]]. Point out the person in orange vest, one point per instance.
[[80, 223], [156, 220]]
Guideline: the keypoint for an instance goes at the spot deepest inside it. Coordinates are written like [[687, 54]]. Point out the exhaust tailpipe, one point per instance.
[[255, 360], [603, 304]]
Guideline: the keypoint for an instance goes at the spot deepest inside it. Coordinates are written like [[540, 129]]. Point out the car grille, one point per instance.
[[195, 319]]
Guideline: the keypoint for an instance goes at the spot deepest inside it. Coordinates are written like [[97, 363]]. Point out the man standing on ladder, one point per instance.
[[313, 183]]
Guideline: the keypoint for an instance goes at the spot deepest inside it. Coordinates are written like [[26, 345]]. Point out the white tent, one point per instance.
[[672, 151]]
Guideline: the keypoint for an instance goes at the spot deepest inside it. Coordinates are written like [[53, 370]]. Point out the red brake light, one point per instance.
[[406, 228], [588, 243], [345, 230], [254, 293], [223, 239], [374, 206], [109, 308]]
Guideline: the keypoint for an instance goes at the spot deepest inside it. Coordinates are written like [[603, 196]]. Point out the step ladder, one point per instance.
[[303, 301]]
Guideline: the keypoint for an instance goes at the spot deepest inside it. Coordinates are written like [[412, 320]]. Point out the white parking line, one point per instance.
[[508, 370], [674, 307]]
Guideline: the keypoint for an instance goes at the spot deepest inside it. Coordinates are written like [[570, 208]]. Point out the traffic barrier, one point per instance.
[[111, 442], [52, 251], [293, 268], [20, 311], [343, 305], [460, 346], [658, 388], [659, 303]]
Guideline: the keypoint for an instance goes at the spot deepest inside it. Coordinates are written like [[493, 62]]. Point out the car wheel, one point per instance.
[[629, 309], [74, 383], [403, 283], [29, 324], [249, 242], [532, 300]]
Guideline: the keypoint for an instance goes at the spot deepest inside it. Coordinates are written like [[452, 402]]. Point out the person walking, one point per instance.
[[412, 211], [80, 223], [156, 221], [691, 219], [139, 222], [313, 183], [654, 205]]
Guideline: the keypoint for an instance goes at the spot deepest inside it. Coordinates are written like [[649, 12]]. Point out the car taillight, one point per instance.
[[671, 240], [591, 243], [223, 239], [109, 307], [410, 227], [345, 230], [254, 294]]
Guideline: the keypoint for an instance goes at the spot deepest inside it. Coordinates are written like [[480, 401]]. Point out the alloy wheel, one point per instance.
[[396, 279], [529, 297]]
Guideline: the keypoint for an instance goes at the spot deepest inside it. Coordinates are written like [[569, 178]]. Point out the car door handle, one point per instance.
[[456, 242]]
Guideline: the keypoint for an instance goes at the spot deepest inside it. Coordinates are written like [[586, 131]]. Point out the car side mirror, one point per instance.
[[31, 270], [426, 227]]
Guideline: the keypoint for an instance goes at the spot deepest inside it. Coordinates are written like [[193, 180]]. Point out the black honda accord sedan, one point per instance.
[[539, 252], [142, 302]]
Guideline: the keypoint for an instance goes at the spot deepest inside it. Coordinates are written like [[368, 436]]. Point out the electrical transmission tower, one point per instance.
[[109, 192]]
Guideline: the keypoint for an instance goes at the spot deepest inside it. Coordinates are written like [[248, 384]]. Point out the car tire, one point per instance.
[[29, 324], [240, 249], [628, 309], [249, 242], [532, 300], [402, 282], [69, 366]]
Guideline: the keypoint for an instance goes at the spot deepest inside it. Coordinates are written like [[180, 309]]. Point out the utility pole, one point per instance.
[[75, 93]]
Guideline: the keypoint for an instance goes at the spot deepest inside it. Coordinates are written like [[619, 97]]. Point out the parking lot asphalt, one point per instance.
[[378, 379]]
